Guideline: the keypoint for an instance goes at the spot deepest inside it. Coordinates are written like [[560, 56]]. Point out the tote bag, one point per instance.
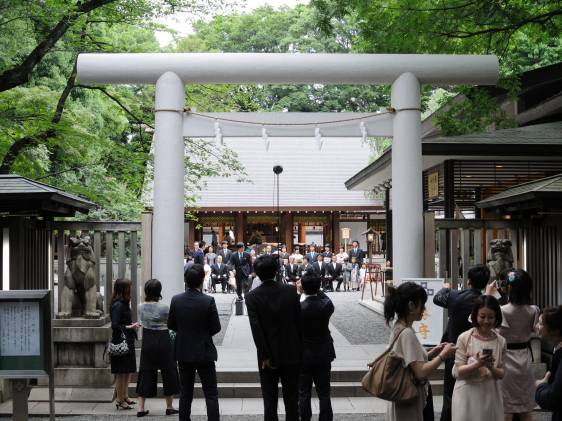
[[388, 378]]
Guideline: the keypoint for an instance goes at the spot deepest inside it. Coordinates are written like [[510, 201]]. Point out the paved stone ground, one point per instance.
[[537, 416], [359, 325]]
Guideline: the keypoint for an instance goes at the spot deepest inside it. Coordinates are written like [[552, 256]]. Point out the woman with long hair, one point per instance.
[[156, 351], [122, 326], [407, 304], [519, 319], [548, 390]]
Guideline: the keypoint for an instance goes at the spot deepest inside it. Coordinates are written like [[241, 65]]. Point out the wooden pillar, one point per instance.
[[449, 188], [336, 232], [221, 232], [302, 233], [240, 226], [288, 231], [191, 235], [325, 232]]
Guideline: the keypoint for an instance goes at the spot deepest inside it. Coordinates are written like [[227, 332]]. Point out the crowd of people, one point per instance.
[[233, 270], [485, 350]]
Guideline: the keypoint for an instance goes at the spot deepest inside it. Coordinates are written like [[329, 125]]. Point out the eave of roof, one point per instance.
[[545, 188], [21, 193], [538, 141]]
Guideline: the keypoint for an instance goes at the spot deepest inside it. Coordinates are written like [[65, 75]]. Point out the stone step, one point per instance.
[[253, 390]]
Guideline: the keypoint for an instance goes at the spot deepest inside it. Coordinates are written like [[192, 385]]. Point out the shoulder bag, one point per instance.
[[388, 378], [118, 349]]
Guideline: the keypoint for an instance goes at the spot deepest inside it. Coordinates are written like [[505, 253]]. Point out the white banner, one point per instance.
[[430, 328]]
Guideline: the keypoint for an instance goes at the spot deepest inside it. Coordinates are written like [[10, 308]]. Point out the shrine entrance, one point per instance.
[[402, 121]]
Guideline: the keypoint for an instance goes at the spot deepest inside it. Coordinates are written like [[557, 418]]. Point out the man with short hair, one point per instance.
[[241, 261], [357, 253], [327, 254], [334, 273], [195, 319], [219, 274], [225, 252], [275, 319], [318, 348], [320, 268], [198, 255], [459, 305], [311, 255], [291, 270]]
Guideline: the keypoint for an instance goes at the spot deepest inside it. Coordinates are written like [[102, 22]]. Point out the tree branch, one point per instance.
[[21, 73], [118, 102]]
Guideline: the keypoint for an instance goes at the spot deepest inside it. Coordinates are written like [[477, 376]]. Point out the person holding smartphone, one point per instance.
[[479, 365]]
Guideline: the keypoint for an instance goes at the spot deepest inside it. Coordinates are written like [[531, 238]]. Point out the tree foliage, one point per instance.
[[524, 35]]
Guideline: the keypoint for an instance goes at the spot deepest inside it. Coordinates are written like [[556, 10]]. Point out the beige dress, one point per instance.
[[411, 350], [478, 396], [518, 323]]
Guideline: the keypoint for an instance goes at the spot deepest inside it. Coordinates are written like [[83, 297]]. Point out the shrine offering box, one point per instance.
[[25, 334]]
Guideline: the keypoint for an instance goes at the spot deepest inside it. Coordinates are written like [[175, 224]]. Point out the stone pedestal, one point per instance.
[[79, 346]]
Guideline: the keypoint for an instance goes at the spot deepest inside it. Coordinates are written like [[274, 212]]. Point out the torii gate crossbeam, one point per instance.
[[171, 71]]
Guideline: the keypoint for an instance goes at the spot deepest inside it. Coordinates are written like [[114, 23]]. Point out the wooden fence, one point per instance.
[[116, 252]]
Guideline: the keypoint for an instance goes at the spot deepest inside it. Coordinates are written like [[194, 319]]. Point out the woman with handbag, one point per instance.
[[156, 351], [407, 304], [123, 361]]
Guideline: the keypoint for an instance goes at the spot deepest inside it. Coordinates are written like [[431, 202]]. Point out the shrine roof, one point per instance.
[[23, 195]]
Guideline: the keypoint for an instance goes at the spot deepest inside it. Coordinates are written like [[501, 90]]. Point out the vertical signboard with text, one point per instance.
[[430, 328]]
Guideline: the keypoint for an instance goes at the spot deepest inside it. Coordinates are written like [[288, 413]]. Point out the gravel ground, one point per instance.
[[224, 307], [358, 324]]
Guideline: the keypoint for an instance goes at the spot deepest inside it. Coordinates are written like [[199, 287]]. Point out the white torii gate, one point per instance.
[[171, 71]]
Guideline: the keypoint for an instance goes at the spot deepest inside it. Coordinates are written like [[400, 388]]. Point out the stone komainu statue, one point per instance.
[[80, 292], [501, 257]]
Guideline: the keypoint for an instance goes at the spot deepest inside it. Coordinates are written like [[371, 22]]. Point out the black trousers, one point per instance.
[[448, 386], [320, 375], [208, 375], [241, 284], [269, 379]]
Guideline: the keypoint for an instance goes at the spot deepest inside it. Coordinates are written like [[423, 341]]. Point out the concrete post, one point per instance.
[[168, 220], [407, 203]]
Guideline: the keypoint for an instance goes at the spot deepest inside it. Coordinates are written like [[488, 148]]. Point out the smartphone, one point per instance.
[[487, 351]]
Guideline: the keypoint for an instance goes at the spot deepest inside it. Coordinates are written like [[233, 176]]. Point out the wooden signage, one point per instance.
[[433, 185], [345, 233]]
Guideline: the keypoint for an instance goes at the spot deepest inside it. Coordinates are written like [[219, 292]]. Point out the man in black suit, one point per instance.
[[459, 305], [198, 255], [242, 263], [357, 253], [275, 319], [224, 252], [219, 274], [334, 273], [320, 268], [195, 319], [304, 268], [327, 253], [291, 269], [318, 348], [311, 256]]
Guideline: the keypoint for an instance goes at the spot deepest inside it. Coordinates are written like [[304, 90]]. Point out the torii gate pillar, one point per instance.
[[169, 173], [407, 192]]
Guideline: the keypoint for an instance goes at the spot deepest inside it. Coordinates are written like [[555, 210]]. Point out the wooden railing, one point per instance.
[[116, 252]]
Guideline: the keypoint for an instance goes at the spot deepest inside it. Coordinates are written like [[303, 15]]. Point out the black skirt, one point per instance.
[[156, 351], [127, 363]]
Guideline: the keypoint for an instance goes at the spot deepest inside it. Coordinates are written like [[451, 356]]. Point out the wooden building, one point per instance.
[[27, 209], [313, 202]]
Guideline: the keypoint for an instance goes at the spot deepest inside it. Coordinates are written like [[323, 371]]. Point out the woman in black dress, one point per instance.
[[121, 324], [156, 352]]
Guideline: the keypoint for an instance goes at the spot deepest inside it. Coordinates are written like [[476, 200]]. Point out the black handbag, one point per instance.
[[118, 349]]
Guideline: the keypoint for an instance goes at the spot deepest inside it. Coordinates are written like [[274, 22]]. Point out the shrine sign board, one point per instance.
[[25, 334], [431, 327]]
